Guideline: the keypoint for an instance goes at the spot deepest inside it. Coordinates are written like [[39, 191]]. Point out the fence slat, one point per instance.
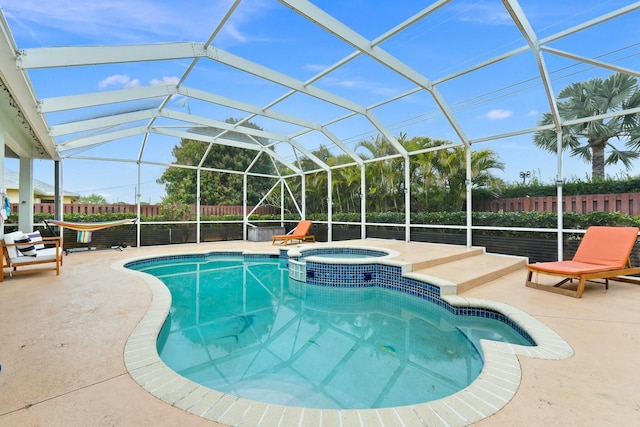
[[623, 203], [145, 210]]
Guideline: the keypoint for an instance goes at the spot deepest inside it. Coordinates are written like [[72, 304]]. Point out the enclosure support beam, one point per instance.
[[58, 207], [281, 202], [198, 205], [303, 196], [25, 195], [407, 199], [138, 196], [3, 189], [468, 205], [363, 203], [245, 214], [329, 206], [559, 182]]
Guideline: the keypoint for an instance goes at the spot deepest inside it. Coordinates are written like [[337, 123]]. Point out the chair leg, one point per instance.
[[581, 286]]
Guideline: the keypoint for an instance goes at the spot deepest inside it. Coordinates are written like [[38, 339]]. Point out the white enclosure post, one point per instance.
[[329, 206], [407, 199], [559, 182], [3, 188], [25, 195], [245, 214], [363, 203], [303, 196], [469, 184], [138, 196], [198, 205], [58, 198]]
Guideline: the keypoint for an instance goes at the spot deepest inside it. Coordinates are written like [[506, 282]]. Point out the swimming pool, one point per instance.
[[492, 390], [240, 326]]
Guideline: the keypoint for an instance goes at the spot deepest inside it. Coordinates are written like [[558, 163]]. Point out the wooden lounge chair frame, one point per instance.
[[298, 234], [603, 253], [48, 259]]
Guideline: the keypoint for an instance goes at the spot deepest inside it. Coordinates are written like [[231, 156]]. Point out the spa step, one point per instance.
[[476, 270], [440, 254]]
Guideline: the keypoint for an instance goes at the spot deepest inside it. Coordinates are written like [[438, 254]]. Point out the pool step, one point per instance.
[[442, 254], [473, 271]]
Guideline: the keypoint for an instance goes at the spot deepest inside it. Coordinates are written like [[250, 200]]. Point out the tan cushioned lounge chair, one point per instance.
[[603, 254]]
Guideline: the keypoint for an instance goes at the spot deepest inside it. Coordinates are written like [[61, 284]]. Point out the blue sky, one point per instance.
[[494, 100]]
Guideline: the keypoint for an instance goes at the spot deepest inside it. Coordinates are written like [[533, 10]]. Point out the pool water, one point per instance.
[[339, 256], [244, 328], [341, 253]]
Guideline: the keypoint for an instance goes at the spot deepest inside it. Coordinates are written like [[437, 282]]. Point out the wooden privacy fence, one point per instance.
[[624, 203], [145, 210]]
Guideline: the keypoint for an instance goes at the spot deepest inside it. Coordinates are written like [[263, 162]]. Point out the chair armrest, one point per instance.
[[12, 244], [57, 240], [53, 241]]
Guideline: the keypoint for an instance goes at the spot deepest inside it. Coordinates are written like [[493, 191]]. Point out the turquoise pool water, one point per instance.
[[244, 328], [336, 256], [341, 253]]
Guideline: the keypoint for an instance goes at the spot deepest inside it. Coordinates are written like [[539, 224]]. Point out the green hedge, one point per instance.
[[507, 219]]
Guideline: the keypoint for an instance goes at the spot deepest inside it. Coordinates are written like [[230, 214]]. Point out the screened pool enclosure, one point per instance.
[[109, 93]]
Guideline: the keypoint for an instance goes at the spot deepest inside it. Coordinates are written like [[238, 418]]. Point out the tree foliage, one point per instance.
[[217, 187], [93, 199], [437, 177], [593, 141]]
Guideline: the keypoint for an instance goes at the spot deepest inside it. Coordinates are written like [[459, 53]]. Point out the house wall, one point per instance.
[[12, 194]]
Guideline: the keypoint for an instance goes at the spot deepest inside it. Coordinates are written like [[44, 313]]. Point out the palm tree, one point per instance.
[[450, 164], [425, 191], [385, 178], [442, 174], [618, 92]]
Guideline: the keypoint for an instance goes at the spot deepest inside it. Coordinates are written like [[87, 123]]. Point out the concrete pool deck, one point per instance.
[[63, 339]]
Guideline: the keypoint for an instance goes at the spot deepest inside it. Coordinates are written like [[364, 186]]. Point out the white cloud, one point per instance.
[[359, 84], [231, 31], [483, 14], [314, 67], [499, 114], [125, 81], [350, 83], [166, 80], [118, 80], [533, 113], [129, 21]]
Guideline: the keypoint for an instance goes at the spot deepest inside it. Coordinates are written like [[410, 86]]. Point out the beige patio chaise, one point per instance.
[[21, 252], [603, 253]]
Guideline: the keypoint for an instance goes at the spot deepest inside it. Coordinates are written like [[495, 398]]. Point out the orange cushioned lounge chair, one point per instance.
[[299, 234], [603, 254]]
